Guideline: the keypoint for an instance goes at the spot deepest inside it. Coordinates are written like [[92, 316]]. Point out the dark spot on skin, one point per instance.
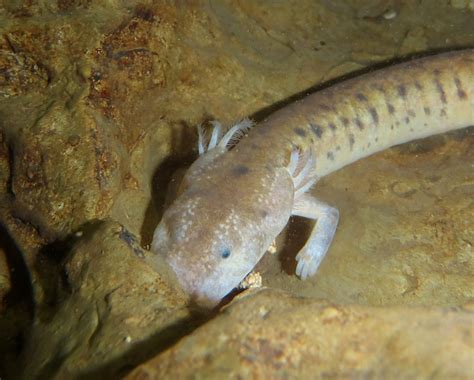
[[338, 147], [390, 108], [359, 123], [402, 91], [345, 121], [332, 126], [397, 123], [407, 120], [442, 112], [461, 93], [374, 114], [411, 113], [263, 213], [391, 127], [225, 253], [441, 92], [361, 97], [427, 110], [330, 156], [376, 139], [317, 130], [351, 140], [418, 86], [300, 132], [240, 170]]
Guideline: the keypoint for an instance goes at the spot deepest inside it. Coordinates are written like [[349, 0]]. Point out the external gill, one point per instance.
[[232, 136]]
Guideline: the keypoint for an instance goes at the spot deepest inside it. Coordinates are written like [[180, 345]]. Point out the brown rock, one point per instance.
[[112, 310], [96, 97], [5, 278], [270, 334], [57, 185]]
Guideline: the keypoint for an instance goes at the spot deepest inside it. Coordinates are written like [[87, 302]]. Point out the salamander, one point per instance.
[[247, 182]]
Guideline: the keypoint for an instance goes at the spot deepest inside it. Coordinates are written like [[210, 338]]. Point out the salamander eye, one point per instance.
[[225, 253]]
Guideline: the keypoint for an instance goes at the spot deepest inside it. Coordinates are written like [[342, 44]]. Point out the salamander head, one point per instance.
[[210, 252], [212, 244]]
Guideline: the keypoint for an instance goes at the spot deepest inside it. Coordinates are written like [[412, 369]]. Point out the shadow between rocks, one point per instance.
[[17, 306], [147, 349]]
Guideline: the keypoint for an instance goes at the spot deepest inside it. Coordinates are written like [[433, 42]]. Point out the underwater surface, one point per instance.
[[99, 103]]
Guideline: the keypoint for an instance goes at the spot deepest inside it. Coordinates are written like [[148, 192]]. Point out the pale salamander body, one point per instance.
[[233, 203]]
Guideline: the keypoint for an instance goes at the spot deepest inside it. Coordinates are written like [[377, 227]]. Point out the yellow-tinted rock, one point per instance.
[[98, 103], [114, 311], [273, 335], [5, 278]]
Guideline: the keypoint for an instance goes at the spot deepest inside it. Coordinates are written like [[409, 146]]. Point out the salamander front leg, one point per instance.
[[321, 236]]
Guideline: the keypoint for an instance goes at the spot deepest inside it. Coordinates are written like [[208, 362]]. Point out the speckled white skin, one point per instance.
[[232, 204]]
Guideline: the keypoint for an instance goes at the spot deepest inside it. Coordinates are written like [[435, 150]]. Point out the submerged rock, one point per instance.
[[270, 334], [93, 118], [113, 310], [5, 278]]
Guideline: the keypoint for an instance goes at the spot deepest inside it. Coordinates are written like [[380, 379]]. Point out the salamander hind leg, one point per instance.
[[321, 236]]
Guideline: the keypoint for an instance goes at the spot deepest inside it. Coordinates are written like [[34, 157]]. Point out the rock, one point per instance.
[[270, 334], [98, 103], [112, 310], [66, 170], [5, 278], [16, 308], [4, 167], [61, 164], [462, 4]]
